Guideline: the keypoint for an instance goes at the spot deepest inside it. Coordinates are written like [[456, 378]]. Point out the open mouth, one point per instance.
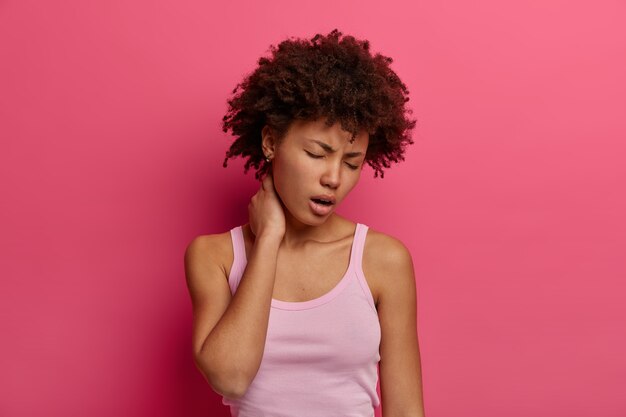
[[323, 202]]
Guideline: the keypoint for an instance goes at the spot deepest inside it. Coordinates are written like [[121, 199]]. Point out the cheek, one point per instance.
[[288, 179], [351, 182], [295, 170]]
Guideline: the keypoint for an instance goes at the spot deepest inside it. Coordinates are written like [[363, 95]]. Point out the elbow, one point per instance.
[[235, 393], [228, 389], [227, 384]]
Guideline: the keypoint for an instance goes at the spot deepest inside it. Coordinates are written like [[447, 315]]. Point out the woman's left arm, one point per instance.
[[400, 364]]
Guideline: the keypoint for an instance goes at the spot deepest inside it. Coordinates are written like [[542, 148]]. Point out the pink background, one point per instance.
[[511, 200]]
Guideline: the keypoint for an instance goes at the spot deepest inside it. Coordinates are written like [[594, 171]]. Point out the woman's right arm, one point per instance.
[[229, 332]]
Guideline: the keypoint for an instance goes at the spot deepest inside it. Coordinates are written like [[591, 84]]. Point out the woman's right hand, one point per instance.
[[265, 211]]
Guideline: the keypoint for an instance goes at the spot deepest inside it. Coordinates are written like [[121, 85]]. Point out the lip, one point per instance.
[[328, 197], [320, 209]]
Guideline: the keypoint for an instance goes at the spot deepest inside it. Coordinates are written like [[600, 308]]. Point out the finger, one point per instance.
[[267, 182]]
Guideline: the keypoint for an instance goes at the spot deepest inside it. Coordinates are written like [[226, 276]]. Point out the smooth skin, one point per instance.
[[296, 255]]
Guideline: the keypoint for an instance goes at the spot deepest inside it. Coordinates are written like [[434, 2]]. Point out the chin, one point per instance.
[[311, 219]]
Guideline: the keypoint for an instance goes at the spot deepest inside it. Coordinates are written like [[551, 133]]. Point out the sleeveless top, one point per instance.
[[320, 356]]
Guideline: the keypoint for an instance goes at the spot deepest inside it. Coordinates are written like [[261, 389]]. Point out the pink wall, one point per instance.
[[511, 200]]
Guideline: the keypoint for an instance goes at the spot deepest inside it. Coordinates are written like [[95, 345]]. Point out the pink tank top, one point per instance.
[[320, 357]]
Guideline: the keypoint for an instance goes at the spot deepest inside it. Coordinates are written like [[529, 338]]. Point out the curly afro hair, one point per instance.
[[330, 76]]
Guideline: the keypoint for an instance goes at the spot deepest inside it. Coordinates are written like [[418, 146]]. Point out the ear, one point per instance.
[[268, 141]]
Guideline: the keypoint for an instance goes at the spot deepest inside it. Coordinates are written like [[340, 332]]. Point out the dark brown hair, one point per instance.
[[332, 76]]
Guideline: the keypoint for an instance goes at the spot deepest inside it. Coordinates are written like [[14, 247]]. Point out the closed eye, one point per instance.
[[313, 155], [353, 167]]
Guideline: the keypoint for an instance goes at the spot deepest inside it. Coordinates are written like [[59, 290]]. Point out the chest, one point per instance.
[[340, 335], [306, 275], [312, 272]]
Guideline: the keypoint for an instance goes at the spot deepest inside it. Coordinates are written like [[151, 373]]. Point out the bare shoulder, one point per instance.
[[386, 262], [207, 283], [386, 247], [209, 251]]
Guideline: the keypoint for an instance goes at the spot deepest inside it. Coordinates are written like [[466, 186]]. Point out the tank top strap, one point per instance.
[[358, 247], [239, 258]]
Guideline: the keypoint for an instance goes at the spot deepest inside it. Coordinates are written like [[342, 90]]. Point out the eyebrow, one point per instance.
[[329, 148]]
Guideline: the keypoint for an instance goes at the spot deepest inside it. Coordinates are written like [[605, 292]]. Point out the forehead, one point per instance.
[[307, 131]]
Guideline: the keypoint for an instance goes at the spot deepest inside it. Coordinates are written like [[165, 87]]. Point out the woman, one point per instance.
[[294, 311]]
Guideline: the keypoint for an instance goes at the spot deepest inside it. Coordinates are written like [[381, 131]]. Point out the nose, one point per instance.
[[331, 176]]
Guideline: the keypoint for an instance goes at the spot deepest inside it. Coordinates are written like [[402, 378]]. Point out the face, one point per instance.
[[315, 161]]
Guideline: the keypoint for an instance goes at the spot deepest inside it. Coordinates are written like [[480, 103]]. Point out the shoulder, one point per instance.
[[208, 251], [385, 248], [386, 262]]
